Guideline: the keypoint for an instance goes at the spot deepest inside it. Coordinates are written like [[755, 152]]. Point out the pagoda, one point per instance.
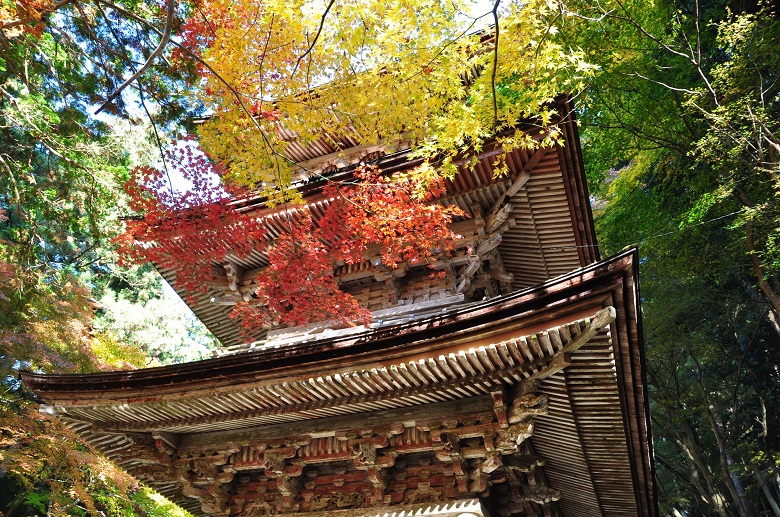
[[512, 385]]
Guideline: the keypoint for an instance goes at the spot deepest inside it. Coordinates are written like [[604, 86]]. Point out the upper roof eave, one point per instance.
[[549, 238]]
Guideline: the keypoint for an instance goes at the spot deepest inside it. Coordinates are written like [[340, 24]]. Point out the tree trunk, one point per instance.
[[721, 435], [767, 493], [758, 270]]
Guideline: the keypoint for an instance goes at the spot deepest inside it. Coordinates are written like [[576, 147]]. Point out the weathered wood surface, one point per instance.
[[438, 377], [432, 460]]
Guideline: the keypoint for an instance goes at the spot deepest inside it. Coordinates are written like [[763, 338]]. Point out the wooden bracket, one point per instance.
[[488, 244], [167, 442], [499, 394], [497, 215], [479, 219], [507, 440], [527, 406], [501, 209]]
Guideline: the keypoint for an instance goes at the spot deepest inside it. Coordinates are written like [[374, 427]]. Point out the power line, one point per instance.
[[657, 235]]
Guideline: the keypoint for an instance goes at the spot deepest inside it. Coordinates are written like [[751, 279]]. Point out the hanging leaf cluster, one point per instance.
[[393, 214], [388, 219], [186, 232]]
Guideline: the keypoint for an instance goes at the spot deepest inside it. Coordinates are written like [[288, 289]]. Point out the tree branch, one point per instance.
[[166, 36], [314, 42], [495, 64]]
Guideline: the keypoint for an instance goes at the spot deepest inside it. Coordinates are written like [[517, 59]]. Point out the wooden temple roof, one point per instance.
[[544, 231], [532, 403], [513, 387]]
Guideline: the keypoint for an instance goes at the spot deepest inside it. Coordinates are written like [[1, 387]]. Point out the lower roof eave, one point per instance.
[[536, 307]]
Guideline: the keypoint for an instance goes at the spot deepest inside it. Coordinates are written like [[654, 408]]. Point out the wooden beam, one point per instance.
[[355, 275], [562, 358], [456, 261], [479, 219], [536, 158], [234, 273], [472, 267], [328, 426], [501, 209], [460, 508], [465, 228], [519, 182], [484, 280], [391, 282], [497, 271], [464, 281], [500, 276], [170, 439], [383, 273], [250, 276], [228, 299], [497, 215], [488, 244]]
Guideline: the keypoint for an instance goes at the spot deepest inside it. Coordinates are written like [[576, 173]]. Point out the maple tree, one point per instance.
[[61, 172], [414, 71], [378, 70], [189, 233], [186, 231], [392, 214], [683, 101], [44, 326], [49, 470], [411, 71], [46, 468]]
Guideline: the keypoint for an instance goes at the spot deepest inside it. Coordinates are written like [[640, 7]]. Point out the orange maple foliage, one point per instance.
[[298, 286], [394, 213], [26, 16], [186, 232], [200, 28], [387, 219]]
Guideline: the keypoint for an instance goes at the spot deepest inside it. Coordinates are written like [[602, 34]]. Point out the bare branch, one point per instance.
[[692, 58], [262, 61], [237, 95], [665, 85], [444, 47]]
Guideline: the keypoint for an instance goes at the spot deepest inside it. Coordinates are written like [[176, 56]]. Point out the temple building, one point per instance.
[[513, 385]]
